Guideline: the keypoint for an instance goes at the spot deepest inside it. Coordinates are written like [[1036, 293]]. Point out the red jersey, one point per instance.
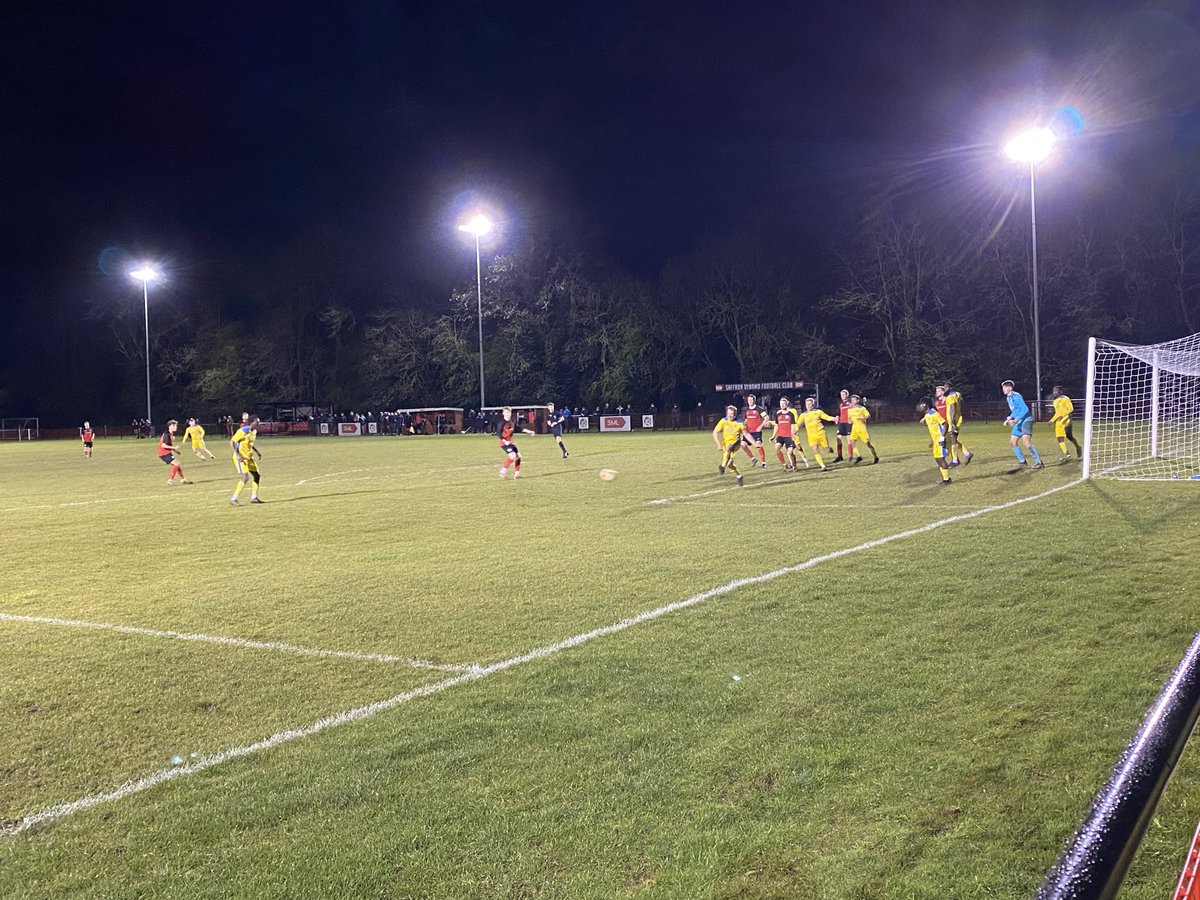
[[87, 434], [166, 444], [753, 417], [843, 409], [506, 432], [940, 405], [785, 423]]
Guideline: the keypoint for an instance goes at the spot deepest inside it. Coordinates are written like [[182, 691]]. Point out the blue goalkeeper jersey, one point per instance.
[[1017, 408]]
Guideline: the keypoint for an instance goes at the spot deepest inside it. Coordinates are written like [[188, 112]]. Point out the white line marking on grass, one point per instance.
[[241, 642], [62, 810], [871, 506], [667, 501]]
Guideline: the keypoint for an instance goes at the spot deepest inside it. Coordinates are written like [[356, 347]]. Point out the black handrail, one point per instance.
[[1098, 856]]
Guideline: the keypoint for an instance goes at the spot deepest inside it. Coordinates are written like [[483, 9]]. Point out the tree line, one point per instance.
[[896, 298]]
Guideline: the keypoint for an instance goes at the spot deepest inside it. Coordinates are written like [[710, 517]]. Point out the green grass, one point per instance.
[[926, 718]]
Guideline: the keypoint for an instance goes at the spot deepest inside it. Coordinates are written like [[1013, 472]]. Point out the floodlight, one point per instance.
[[144, 274], [478, 226], [1031, 146]]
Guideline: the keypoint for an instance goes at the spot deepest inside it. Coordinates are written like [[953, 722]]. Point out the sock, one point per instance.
[[1078, 449], [1062, 447], [782, 461], [517, 464], [874, 453], [1020, 455], [237, 488], [175, 470], [762, 455], [945, 473], [254, 487], [839, 453], [1033, 450], [749, 450], [820, 458]]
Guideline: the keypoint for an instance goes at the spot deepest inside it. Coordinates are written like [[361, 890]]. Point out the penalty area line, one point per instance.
[[242, 643], [134, 786]]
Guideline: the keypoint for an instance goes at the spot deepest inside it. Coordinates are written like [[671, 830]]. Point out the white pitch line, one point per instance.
[[667, 501], [53, 813], [871, 506], [240, 642]]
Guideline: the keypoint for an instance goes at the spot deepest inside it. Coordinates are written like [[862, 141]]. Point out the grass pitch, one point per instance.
[[928, 717]]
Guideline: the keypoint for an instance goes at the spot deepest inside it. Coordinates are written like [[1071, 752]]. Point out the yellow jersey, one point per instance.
[[954, 408], [812, 419], [195, 434], [730, 431], [1063, 407], [246, 445], [239, 439], [858, 416], [937, 426]]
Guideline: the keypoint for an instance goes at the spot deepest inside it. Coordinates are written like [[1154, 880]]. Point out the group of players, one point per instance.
[[942, 415], [245, 454]]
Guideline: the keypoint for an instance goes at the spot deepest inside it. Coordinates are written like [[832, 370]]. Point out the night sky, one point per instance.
[[213, 134]]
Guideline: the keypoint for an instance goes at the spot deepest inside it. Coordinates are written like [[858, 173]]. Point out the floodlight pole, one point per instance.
[[479, 297], [146, 308], [1037, 331]]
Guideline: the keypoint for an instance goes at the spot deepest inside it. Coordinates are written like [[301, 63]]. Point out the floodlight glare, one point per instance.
[[144, 274], [478, 226], [1031, 146]]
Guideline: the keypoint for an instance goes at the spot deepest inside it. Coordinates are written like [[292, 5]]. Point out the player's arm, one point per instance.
[[716, 433], [826, 417]]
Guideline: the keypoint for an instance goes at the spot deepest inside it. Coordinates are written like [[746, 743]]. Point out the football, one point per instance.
[[608, 474]]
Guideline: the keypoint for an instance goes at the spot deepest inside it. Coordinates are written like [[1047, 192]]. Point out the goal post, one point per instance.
[[1142, 414]]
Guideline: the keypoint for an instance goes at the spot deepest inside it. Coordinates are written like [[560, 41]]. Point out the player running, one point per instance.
[[785, 431], [88, 437], [505, 433], [555, 420], [246, 452], [1021, 420], [843, 422], [948, 402], [811, 419], [728, 436], [938, 436], [194, 433], [858, 416], [168, 452], [753, 419], [1063, 407]]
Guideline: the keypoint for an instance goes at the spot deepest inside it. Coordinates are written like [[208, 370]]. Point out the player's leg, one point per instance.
[[747, 445], [943, 469], [1060, 436], [561, 446], [516, 463], [243, 478], [874, 453], [779, 452], [1014, 441], [816, 452], [1071, 438], [1027, 440]]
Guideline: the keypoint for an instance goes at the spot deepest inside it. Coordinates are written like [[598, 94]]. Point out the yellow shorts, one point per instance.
[[1060, 429], [246, 465], [859, 433], [939, 450], [818, 440]]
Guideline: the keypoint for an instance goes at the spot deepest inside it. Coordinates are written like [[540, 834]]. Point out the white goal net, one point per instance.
[[1142, 419]]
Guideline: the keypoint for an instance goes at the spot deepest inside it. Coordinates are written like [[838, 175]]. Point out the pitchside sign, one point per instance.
[[616, 423], [349, 429], [760, 386]]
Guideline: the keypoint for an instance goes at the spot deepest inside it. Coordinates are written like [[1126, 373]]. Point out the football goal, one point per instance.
[[1142, 419], [22, 428]]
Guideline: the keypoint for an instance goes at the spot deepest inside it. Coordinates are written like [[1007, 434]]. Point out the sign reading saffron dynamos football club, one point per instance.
[[760, 386]]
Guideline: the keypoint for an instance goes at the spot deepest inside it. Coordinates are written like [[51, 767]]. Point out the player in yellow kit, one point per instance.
[[858, 416], [195, 434], [948, 402], [938, 438], [1061, 420], [814, 431], [247, 465], [728, 437]]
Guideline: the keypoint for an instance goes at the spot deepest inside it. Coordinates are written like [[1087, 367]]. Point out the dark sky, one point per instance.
[[224, 131]]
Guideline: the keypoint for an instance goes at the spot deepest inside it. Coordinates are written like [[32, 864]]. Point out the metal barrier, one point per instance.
[[1098, 856]]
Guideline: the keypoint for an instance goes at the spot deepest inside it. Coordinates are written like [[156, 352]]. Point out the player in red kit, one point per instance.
[[843, 422], [168, 452], [88, 436], [753, 419], [512, 457], [785, 435]]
